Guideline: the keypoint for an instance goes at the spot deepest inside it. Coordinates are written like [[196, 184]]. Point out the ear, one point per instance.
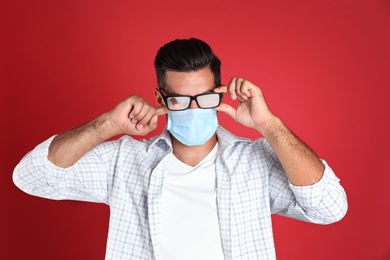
[[158, 97]]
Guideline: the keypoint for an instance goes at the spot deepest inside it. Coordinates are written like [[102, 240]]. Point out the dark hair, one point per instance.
[[185, 55]]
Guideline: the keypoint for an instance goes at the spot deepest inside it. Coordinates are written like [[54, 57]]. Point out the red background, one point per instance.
[[323, 65]]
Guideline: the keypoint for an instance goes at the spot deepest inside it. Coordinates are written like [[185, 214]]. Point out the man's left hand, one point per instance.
[[252, 110]]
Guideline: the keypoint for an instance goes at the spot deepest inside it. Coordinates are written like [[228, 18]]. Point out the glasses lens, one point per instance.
[[178, 103], [208, 100]]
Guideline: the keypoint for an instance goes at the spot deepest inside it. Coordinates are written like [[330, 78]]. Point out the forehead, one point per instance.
[[189, 83]]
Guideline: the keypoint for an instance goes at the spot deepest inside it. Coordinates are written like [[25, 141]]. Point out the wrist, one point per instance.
[[105, 127], [270, 127]]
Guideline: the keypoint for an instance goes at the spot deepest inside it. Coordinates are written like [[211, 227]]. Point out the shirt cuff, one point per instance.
[[53, 173], [311, 196]]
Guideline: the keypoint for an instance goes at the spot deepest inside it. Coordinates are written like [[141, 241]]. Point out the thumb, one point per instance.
[[227, 109], [162, 110]]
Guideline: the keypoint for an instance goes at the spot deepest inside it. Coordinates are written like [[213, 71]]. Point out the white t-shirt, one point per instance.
[[189, 224]]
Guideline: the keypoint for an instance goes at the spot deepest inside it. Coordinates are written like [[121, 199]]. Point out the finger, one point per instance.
[[221, 89], [227, 109], [146, 118], [150, 126], [224, 89], [151, 117], [162, 110], [238, 87], [142, 112], [143, 129], [136, 108], [231, 88], [243, 89], [152, 123], [246, 87]]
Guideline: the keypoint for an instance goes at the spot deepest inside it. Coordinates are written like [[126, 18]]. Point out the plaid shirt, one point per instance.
[[128, 175]]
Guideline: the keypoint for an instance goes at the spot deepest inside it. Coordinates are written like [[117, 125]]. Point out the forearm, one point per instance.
[[68, 147], [300, 163]]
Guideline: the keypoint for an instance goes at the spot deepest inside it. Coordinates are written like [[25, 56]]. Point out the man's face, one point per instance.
[[188, 83]]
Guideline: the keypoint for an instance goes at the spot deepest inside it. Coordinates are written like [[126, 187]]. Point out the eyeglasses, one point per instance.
[[183, 102]]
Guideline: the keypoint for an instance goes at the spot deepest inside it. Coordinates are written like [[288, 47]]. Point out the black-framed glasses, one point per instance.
[[183, 102]]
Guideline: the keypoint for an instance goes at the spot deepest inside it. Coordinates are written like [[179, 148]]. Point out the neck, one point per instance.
[[192, 155]]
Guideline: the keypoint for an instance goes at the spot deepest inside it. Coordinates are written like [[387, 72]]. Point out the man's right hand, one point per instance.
[[134, 116]]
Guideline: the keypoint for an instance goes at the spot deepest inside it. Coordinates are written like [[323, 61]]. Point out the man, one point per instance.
[[195, 191]]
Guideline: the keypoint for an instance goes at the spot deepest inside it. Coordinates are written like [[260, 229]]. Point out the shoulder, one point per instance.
[[230, 143], [129, 145], [227, 139]]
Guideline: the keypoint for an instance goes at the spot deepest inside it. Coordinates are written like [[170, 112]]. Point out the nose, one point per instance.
[[193, 104]]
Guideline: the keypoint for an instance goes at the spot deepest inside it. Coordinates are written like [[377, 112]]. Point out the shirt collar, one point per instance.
[[163, 140], [227, 139]]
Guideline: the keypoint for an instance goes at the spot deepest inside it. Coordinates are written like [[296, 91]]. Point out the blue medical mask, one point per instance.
[[193, 126]]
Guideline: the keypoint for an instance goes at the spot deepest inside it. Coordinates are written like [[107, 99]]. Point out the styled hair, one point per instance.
[[185, 55]]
